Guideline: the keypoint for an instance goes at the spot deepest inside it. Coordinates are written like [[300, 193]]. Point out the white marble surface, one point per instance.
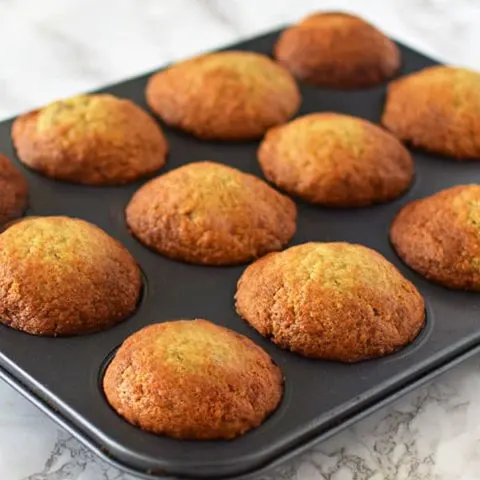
[[54, 48]]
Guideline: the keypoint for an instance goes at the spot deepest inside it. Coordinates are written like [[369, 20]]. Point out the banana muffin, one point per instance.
[[335, 301], [208, 213], [437, 109], [337, 50], [64, 276], [336, 160], [192, 379], [90, 139], [225, 96], [439, 237], [13, 192]]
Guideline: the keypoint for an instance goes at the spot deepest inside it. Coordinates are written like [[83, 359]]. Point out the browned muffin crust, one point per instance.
[[437, 109], [13, 191], [439, 237], [337, 50], [90, 139], [336, 160], [64, 276], [208, 213], [225, 96], [192, 379], [335, 301]]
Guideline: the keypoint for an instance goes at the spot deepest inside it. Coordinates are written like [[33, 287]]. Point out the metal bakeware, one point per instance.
[[63, 375]]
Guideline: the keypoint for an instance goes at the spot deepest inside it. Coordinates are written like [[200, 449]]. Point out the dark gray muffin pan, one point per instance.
[[63, 375]]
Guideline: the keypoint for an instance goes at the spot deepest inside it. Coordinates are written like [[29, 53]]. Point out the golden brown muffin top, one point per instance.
[[438, 109], [192, 379], [439, 236], [253, 71], [13, 191], [310, 141], [57, 241], [213, 188], [337, 50], [336, 301], [62, 276], [462, 83], [339, 267], [194, 347], [454, 89], [336, 160], [466, 204], [84, 115], [225, 95], [214, 214], [93, 139]]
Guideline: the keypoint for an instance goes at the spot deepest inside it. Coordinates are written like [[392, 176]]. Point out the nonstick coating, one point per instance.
[[65, 373]]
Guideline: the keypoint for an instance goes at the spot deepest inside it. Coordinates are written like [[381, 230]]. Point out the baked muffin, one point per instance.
[[336, 160], [64, 276], [439, 237], [90, 139], [224, 96], [13, 192], [337, 50], [437, 109], [209, 213], [334, 301], [192, 379]]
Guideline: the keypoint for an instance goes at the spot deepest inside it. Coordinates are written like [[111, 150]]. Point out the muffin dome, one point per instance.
[[337, 50], [334, 301], [192, 379], [439, 237], [336, 160], [225, 96], [437, 109], [209, 213], [64, 276], [90, 139], [13, 192]]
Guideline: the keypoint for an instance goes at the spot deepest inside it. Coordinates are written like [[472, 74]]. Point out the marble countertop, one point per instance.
[[55, 48]]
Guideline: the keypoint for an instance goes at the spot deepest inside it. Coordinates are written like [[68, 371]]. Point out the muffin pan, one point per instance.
[[63, 375]]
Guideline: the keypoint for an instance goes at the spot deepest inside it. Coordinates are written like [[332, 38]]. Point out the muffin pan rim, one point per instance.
[[248, 474]]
